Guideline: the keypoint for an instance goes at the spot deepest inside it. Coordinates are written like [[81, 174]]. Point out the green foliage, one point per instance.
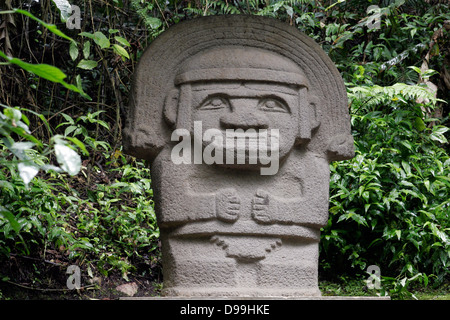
[[21, 155], [114, 222], [376, 95], [390, 205], [43, 70]]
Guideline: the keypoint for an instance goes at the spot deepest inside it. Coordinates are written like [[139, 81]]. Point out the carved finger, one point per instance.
[[259, 207], [232, 215], [233, 206], [261, 217], [262, 194], [228, 216], [234, 200], [259, 201]]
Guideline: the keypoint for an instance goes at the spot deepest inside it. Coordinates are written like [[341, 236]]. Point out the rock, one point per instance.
[[130, 289]]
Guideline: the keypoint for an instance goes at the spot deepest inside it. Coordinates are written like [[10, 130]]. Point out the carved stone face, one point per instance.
[[252, 111], [255, 93]]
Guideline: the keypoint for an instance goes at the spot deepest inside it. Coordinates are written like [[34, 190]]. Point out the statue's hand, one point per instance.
[[262, 208], [228, 205]]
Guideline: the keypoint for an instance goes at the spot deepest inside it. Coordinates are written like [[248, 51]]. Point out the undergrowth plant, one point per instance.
[[104, 215], [74, 194], [390, 204]]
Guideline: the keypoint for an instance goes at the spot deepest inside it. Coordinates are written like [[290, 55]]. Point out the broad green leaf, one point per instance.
[[79, 144], [419, 124], [427, 184], [42, 70], [354, 216], [69, 130], [289, 11], [366, 195], [101, 40], [68, 159], [87, 34], [25, 119], [79, 82], [73, 51], [407, 144], [86, 49], [416, 69], [154, 23], [359, 219], [122, 41], [406, 167], [119, 184], [45, 71], [11, 218], [440, 129], [87, 64], [438, 134], [68, 118], [121, 51]]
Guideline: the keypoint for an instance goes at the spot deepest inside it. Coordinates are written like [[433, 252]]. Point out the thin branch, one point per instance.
[[47, 290]]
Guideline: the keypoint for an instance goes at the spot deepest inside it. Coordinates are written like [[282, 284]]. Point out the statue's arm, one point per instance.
[[179, 203], [308, 208], [269, 209], [223, 204]]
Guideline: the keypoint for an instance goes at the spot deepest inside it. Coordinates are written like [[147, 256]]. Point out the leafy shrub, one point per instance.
[[111, 222], [390, 205]]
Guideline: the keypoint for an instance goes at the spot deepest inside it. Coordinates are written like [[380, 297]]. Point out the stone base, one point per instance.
[[231, 293], [239, 266]]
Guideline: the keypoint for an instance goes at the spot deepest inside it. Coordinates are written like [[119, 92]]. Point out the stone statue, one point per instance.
[[239, 117]]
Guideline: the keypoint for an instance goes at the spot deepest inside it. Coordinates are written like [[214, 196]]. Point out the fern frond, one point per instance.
[[375, 95]]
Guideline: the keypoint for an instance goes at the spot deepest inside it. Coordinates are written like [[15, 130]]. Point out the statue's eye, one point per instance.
[[214, 103], [273, 105]]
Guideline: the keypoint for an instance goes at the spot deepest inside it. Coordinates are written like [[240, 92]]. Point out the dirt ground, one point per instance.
[[28, 279]]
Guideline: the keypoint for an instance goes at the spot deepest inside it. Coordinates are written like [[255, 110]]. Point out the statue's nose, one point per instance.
[[240, 120]]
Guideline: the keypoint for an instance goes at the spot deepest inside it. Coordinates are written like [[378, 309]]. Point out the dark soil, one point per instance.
[[26, 278]]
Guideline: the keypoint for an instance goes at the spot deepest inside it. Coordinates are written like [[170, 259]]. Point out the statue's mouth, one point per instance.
[[243, 149]]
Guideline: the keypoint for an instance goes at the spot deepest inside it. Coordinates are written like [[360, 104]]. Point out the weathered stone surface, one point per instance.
[[129, 289], [244, 219]]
